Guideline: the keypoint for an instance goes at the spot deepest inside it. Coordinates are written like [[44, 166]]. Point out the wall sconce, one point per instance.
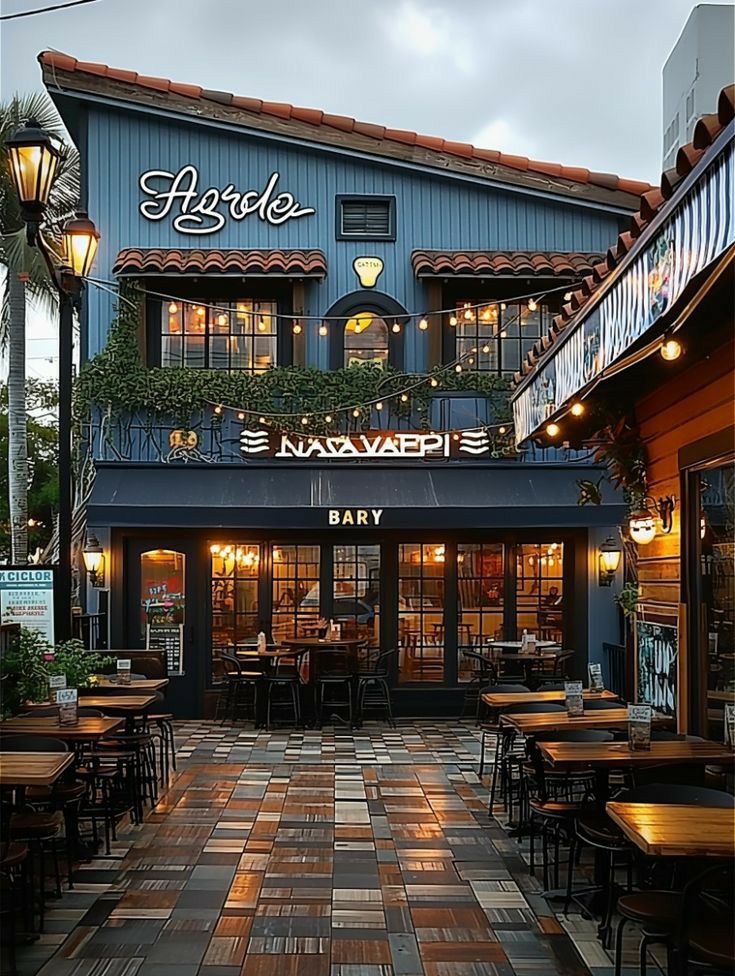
[[642, 527], [94, 561], [643, 524], [609, 556]]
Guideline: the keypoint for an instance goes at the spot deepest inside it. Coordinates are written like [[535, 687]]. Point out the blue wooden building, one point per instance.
[[337, 308]]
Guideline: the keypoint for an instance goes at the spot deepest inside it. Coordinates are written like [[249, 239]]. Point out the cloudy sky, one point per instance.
[[572, 81]]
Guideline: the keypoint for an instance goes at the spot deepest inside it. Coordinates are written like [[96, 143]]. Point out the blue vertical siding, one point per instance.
[[431, 212]]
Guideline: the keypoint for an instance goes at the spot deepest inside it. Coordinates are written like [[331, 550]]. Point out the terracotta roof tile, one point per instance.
[[653, 201], [54, 62], [570, 264], [132, 261]]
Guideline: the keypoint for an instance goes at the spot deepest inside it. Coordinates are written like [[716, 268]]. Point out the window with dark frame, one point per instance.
[[236, 335], [496, 337], [365, 217], [295, 590]]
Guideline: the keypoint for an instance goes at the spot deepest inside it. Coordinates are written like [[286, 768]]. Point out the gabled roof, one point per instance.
[[64, 74], [563, 264], [654, 205]]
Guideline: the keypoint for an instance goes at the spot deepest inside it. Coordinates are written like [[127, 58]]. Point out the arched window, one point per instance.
[[366, 340]]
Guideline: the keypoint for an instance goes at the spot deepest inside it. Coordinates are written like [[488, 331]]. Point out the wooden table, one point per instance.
[[505, 698], [605, 718], [674, 831], [614, 755], [320, 644], [84, 730], [118, 703], [33, 768], [515, 646], [103, 685]]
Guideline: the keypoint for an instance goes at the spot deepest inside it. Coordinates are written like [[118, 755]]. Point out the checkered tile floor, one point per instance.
[[316, 854]]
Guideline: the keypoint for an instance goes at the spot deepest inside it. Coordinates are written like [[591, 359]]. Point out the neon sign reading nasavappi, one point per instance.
[[198, 212]]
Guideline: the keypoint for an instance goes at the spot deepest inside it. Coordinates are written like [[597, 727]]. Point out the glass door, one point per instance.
[[295, 595], [356, 591], [421, 623]]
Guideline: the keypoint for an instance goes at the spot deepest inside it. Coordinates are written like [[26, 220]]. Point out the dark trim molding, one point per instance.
[[388, 198], [367, 300]]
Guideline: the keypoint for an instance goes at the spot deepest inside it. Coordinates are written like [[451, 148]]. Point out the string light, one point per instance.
[[356, 412], [434, 381], [452, 319], [304, 421], [323, 330], [328, 419], [241, 416], [396, 327], [423, 325], [222, 320], [261, 324], [567, 296], [261, 420], [532, 305], [296, 329], [577, 409], [458, 368], [404, 397], [173, 308], [379, 405], [218, 409], [671, 349], [553, 429], [486, 348], [501, 430]]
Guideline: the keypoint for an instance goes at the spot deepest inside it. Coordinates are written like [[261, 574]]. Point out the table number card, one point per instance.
[[335, 632], [67, 700], [730, 724], [595, 673], [573, 698], [639, 727], [123, 671], [56, 683]]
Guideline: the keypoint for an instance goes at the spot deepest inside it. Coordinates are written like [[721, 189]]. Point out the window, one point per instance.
[[356, 592], [480, 599], [366, 340], [234, 588], [366, 218], [296, 603], [421, 612], [496, 337], [162, 589], [540, 590], [238, 335]]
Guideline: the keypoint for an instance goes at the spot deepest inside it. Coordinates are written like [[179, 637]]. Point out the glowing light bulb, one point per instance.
[[471, 360], [323, 330], [304, 421], [214, 550], [486, 348], [670, 350], [200, 312], [434, 381], [458, 368], [486, 315], [379, 405], [218, 409], [261, 324], [396, 327], [423, 325], [173, 308], [356, 412], [532, 305], [468, 314], [297, 329], [261, 420], [404, 397], [241, 416], [503, 306], [501, 430], [577, 409], [452, 319], [358, 328], [553, 429], [567, 296], [328, 419], [222, 320]]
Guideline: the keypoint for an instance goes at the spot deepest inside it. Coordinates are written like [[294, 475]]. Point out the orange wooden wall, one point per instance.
[[694, 404]]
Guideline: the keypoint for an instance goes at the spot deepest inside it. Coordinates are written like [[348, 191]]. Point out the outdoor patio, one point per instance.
[[319, 854]]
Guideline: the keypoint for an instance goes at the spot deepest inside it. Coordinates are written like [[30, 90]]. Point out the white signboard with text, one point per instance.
[[27, 598]]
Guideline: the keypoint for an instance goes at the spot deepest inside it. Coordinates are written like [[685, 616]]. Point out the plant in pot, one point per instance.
[[31, 660]]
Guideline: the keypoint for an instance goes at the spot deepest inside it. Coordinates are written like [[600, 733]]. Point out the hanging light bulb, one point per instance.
[[241, 416], [471, 360], [323, 330], [577, 409], [173, 308], [670, 350], [218, 409], [468, 314], [553, 430], [567, 296], [222, 320], [296, 328], [452, 319], [434, 381], [379, 405], [501, 430], [328, 419], [358, 327], [201, 312], [423, 325], [356, 412], [261, 420], [532, 305], [486, 348], [458, 368], [404, 397], [396, 327], [503, 306], [261, 324]]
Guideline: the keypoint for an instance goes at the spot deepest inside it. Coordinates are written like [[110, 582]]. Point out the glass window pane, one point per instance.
[[421, 612], [356, 592], [236, 619], [296, 596], [480, 599], [194, 351], [365, 340], [162, 589], [540, 591]]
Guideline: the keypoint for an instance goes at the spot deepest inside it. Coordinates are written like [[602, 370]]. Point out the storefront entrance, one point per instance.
[[435, 598]]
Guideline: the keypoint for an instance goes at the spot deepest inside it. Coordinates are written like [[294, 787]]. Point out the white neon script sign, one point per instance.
[[198, 213], [366, 446]]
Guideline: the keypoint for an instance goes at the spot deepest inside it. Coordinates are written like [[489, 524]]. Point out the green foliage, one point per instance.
[[31, 660], [620, 447], [628, 598], [43, 450], [118, 380], [590, 492]]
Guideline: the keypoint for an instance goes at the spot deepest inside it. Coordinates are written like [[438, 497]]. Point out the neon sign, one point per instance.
[[372, 445]]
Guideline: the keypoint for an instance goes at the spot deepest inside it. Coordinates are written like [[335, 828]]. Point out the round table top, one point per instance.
[[321, 643]]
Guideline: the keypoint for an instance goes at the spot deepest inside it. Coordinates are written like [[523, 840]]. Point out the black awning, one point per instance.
[[290, 497]]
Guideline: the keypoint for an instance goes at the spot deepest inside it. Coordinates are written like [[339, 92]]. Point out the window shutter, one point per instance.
[[366, 218]]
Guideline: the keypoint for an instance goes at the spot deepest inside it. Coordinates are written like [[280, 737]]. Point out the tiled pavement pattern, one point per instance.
[[316, 854]]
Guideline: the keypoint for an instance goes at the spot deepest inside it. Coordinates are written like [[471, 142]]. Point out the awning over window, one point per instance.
[[138, 261], [300, 497], [478, 264]]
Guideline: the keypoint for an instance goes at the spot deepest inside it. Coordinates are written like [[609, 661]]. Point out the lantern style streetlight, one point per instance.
[[94, 561], [610, 555], [34, 163]]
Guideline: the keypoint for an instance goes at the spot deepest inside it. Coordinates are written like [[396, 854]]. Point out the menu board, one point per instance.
[[168, 638], [639, 726], [573, 698], [27, 598], [658, 650], [595, 673]]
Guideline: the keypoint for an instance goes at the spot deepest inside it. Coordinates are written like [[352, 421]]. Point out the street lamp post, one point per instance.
[[34, 161]]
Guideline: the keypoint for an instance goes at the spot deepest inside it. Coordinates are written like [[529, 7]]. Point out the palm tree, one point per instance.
[[26, 277]]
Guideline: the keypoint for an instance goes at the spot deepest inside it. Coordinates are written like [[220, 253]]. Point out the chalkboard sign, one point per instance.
[[168, 638]]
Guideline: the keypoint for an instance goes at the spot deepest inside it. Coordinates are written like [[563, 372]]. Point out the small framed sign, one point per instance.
[[639, 727], [56, 683], [123, 670], [730, 724], [595, 673], [67, 700], [573, 698]]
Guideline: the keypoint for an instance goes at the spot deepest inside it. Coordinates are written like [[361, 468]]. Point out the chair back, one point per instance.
[[679, 795], [33, 743], [86, 712], [231, 664]]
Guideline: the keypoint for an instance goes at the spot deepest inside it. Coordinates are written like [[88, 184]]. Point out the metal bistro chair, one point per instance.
[[484, 673], [334, 683], [373, 690], [492, 726], [242, 687], [284, 688]]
